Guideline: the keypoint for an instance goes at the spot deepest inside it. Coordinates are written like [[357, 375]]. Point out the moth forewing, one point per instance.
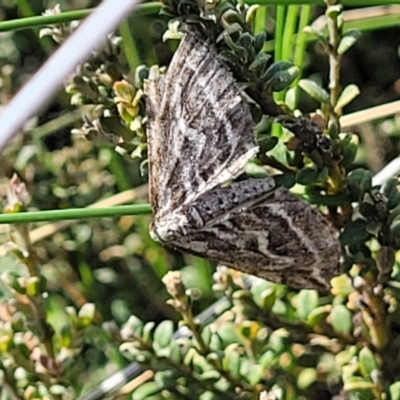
[[194, 124]]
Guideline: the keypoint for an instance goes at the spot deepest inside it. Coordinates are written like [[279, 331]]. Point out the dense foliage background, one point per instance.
[[83, 299]]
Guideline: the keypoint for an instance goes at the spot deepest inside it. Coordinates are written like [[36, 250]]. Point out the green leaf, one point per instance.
[[147, 331], [260, 63], [163, 334], [314, 90], [395, 228], [374, 228], [206, 335], [349, 93], [306, 302], [316, 157], [341, 285], [317, 315], [348, 40], [135, 325], [283, 79], [255, 374], [366, 182], [264, 294], [354, 232], [231, 361], [356, 384], [259, 41], [230, 57], [394, 391], [268, 143], [285, 180], [86, 314], [392, 194], [349, 154], [316, 34], [341, 319], [280, 75], [306, 378], [307, 176], [333, 11], [145, 390], [368, 364]]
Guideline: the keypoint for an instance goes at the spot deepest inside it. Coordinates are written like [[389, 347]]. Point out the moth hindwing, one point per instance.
[[200, 136]]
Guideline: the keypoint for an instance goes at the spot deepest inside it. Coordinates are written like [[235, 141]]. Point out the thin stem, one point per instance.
[[76, 213], [68, 16]]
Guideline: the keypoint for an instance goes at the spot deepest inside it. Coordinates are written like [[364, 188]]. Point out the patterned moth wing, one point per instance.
[[200, 135], [199, 132], [278, 237]]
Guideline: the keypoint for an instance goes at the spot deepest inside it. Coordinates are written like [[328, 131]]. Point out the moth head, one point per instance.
[[169, 228]]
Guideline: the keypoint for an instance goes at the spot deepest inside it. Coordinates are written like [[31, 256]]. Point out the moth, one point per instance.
[[200, 137]]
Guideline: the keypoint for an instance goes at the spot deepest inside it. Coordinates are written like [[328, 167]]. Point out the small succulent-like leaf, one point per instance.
[[147, 331], [316, 157], [349, 93], [267, 359], [259, 41], [260, 63], [323, 175], [368, 364], [366, 209], [285, 180], [307, 175], [251, 13], [391, 193], [141, 73], [231, 361], [267, 144], [227, 333], [316, 33], [334, 10], [341, 285], [163, 334], [359, 181], [145, 390], [246, 40], [264, 294], [355, 232], [278, 79], [318, 314], [344, 357], [306, 378], [374, 227], [366, 182], [394, 391], [86, 314], [206, 335], [230, 57], [395, 228], [306, 301], [255, 374], [314, 90], [291, 98], [341, 319], [349, 154], [275, 68], [356, 384], [348, 40], [33, 286]]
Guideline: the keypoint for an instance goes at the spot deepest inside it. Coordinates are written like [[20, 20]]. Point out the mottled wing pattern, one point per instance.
[[200, 135], [200, 130], [281, 239]]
